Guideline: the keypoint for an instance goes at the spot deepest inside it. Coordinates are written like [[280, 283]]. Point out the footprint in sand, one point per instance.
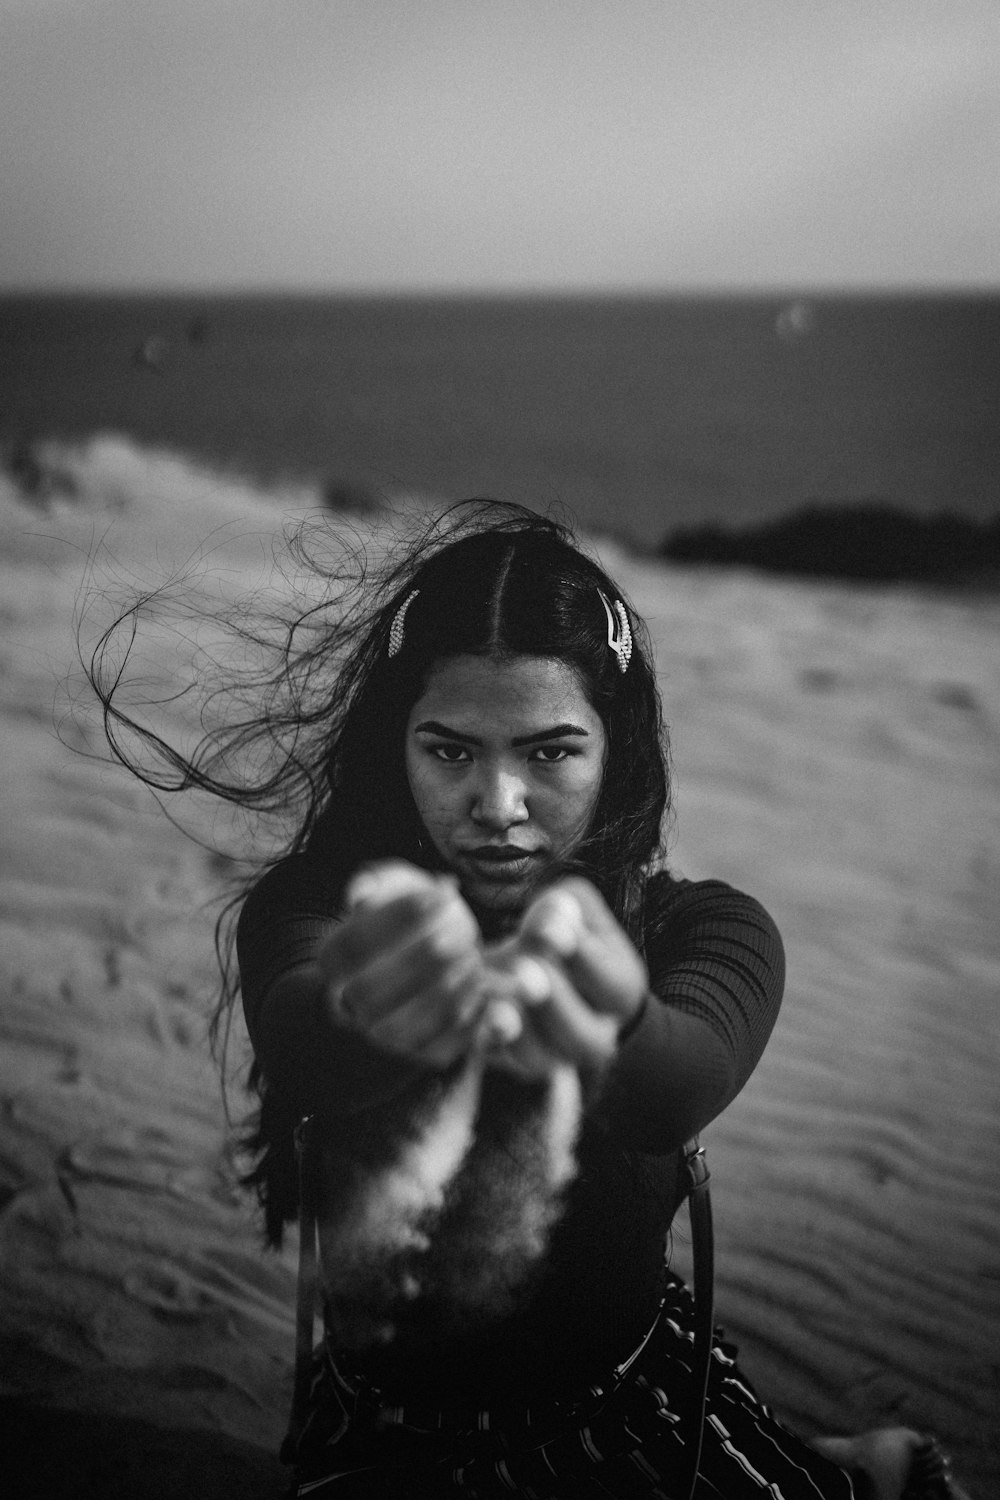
[[8, 1192], [168, 1292], [138, 1160]]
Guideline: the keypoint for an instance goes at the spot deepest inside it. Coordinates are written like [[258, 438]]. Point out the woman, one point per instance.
[[502, 1019], [503, 1041]]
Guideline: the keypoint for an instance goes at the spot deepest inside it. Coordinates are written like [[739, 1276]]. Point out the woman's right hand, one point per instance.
[[404, 967]]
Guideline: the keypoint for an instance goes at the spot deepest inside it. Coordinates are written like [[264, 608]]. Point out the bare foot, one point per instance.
[[884, 1455]]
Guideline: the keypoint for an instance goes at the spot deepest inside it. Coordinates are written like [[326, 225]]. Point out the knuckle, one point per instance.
[[439, 945], [581, 890], [448, 937], [455, 913]]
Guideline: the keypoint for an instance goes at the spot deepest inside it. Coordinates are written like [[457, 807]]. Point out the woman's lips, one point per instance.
[[499, 862]]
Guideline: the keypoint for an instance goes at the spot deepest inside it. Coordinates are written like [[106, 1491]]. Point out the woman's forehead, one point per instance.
[[520, 692]]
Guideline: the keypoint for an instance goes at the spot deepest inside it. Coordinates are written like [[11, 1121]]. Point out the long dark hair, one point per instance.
[[316, 745], [498, 581]]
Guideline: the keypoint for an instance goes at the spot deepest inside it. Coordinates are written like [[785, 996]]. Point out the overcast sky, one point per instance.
[[511, 144]]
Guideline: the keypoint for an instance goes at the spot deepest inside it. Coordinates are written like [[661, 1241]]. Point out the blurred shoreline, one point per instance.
[[633, 416], [867, 542]]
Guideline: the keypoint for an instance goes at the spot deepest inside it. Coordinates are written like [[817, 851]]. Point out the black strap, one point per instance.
[[306, 1294], [703, 1253], [702, 1245]]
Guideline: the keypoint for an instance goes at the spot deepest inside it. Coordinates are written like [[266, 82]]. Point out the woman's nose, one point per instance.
[[499, 799]]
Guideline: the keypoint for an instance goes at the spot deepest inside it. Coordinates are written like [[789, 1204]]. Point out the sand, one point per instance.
[[836, 753]]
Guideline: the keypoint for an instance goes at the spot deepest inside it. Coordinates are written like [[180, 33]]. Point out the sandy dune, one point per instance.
[[836, 753]]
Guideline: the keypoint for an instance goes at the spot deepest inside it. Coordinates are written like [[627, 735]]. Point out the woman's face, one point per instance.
[[505, 761]]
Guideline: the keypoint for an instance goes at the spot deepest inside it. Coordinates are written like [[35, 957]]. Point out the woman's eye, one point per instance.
[[452, 755], [551, 755]]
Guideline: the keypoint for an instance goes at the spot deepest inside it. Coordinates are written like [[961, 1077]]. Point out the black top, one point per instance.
[[716, 969]]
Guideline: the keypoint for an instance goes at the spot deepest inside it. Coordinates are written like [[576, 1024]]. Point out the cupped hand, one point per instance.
[[577, 979], [572, 925], [405, 966]]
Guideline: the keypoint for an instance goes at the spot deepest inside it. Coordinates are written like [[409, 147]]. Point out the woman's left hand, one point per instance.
[[578, 979], [572, 925]]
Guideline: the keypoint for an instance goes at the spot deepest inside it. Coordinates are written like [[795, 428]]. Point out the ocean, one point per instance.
[[633, 416]]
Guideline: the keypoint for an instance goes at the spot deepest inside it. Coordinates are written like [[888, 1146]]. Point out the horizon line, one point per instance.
[[783, 291]]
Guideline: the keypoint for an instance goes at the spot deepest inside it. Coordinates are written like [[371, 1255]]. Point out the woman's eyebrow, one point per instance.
[[557, 732], [431, 726]]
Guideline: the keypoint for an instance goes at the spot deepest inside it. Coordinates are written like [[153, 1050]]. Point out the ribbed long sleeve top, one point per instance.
[[716, 970]]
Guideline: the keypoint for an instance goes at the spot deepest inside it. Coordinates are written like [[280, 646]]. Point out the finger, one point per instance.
[[500, 1025], [554, 923], [610, 975], [526, 1058], [595, 912], [572, 922], [436, 1051], [563, 1021], [378, 884], [512, 982]]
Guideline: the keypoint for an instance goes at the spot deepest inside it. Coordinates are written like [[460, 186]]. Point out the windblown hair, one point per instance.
[[318, 741], [496, 582]]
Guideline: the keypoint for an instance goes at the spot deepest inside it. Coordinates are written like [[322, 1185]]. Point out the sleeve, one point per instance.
[[283, 921], [717, 969], [314, 1064]]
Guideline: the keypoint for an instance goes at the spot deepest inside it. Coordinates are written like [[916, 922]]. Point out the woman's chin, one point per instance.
[[495, 901]]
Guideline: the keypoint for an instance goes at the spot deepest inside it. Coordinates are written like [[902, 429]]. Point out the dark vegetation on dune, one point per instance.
[[870, 541], [873, 541]]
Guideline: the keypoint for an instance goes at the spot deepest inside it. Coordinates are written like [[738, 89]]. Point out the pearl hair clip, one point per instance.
[[619, 631], [399, 620]]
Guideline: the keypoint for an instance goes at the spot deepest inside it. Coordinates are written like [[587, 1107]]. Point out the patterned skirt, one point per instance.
[[626, 1439]]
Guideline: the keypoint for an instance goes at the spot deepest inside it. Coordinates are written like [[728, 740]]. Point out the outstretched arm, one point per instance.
[[690, 1033], [309, 1058], [692, 1029], [717, 974]]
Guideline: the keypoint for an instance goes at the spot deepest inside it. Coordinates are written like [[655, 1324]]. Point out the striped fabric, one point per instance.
[[624, 1439]]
